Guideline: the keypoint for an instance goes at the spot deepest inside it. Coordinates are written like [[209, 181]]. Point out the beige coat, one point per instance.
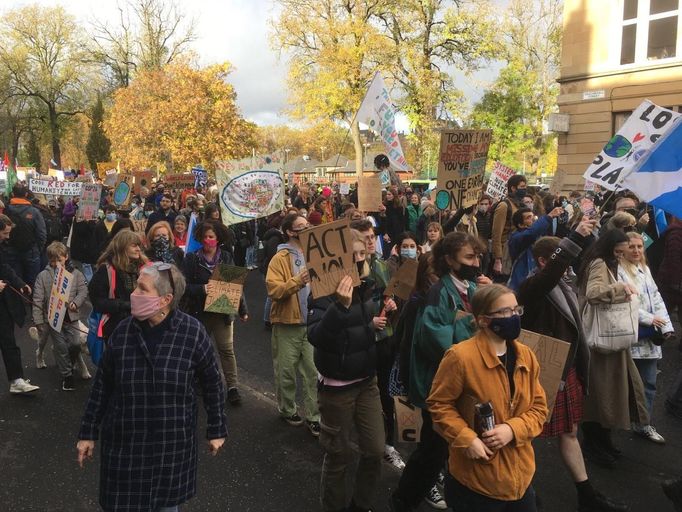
[[616, 396]]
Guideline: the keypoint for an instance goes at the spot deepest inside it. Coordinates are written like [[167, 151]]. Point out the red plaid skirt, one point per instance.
[[568, 408]]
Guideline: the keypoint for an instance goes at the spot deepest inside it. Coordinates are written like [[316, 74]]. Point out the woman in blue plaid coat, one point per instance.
[[143, 402]]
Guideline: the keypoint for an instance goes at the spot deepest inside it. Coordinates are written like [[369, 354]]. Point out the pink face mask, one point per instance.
[[143, 307], [211, 243]]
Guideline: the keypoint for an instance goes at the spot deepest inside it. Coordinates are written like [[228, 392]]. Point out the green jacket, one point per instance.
[[435, 331], [413, 213]]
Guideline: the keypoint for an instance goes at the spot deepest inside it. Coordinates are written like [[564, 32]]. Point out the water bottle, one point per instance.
[[485, 417]]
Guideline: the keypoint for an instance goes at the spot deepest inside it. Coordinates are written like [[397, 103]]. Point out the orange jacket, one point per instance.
[[471, 373]]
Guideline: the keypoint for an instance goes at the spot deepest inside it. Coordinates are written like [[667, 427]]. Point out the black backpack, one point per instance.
[[23, 235]]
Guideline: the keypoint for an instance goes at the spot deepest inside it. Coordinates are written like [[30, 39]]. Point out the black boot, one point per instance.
[[607, 442], [673, 490], [593, 445], [600, 503]]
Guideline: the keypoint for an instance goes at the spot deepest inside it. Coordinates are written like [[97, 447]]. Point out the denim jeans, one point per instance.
[[26, 264], [648, 370]]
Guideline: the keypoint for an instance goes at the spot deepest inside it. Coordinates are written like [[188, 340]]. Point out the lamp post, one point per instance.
[[286, 155], [322, 148]]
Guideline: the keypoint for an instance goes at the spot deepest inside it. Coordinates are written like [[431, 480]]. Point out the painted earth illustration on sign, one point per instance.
[[252, 193], [617, 147]]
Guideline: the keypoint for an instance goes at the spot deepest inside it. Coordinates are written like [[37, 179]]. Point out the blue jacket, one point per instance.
[[520, 245]]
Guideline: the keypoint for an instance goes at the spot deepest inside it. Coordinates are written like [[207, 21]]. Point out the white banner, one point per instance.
[[54, 187], [497, 184], [378, 113], [644, 127]]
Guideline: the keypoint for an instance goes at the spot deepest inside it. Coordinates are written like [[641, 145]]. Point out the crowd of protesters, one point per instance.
[[531, 260]]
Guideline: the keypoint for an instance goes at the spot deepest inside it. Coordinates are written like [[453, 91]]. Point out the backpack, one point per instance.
[[509, 213], [23, 235]]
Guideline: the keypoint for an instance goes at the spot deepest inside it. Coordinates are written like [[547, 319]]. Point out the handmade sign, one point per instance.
[[88, 206], [59, 298], [461, 165], [247, 192], [402, 283], [225, 291], [200, 177], [179, 181], [369, 193], [558, 182], [344, 188], [139, 225], [103, 167], [143, 179], [551, 354], [123, 190], [54, 187], [409, 419], [110, 177], [634, 139], [497, 184], [328, 252]]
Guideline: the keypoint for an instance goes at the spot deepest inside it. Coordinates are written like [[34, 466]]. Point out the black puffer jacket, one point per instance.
[[344, 339]]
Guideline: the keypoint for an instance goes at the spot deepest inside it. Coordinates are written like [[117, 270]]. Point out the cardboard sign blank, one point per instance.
[[369, 193], [402, 283], [328, 253], [551, 354], [409, 420]]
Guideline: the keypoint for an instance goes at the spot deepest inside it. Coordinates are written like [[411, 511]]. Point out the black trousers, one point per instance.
[[11, 354], [463, 499], [385, 359], [423, 466]]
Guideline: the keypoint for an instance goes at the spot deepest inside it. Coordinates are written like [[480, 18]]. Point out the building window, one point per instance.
[[650, 31]]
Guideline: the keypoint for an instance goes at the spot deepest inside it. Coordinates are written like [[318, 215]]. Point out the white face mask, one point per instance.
[[482, 208]]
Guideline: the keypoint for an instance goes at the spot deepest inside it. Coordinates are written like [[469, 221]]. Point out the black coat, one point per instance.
[[14, 304], [344, 339], [272, 238], [84, 244], [117, 308], [158, 216]]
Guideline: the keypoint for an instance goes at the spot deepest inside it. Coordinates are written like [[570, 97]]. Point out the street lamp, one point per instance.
[[322, 148], [286, 156], [365, 145]]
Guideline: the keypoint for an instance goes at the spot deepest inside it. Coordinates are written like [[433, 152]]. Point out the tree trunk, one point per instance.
[[357, 143], [54, 136]]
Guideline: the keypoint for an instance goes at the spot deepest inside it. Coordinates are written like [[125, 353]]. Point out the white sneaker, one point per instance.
[[392, 456], [82, 368], [40, 359], [440, 480], [22, 386], [649, 432], [434, 499]]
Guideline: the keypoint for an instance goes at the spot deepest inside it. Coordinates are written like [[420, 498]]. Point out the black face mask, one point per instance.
[[467, 272], [633, 212], [520, 193]]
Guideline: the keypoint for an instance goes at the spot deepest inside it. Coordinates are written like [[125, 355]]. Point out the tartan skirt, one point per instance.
[[568, 408]]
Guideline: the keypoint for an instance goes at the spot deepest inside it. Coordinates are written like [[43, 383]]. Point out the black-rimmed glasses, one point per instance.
[[507, 312]]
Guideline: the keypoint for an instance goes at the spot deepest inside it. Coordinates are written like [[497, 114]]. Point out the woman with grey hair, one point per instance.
[[143, 401]]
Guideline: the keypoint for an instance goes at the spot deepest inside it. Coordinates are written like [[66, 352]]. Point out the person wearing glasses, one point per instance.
[[491, 459], [198, 268], [143, 402]]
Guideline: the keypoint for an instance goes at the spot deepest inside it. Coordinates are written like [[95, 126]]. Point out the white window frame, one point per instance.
[[642, 33]]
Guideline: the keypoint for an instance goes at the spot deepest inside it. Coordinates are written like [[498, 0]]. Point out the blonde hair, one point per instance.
[[630, 268], [55, 251], [158, 225], [117, 251], [621, 220], [485, 296]]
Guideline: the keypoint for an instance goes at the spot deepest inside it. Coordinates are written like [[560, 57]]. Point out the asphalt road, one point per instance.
[[268, 466]]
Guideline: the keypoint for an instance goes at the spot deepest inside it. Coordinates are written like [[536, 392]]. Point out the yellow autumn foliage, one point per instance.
[[176, 117]]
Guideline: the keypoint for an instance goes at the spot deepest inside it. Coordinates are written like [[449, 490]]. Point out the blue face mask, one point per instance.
[[506, 328], [564, 203], [410, 253], [111, 217]]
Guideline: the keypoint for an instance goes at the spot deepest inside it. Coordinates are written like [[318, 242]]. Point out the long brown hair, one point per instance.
[[117, 252]]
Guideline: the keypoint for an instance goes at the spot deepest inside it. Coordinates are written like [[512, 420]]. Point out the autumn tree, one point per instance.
[[99, 146], [176, 117], [334, 47], [319, 141], [42, 50]]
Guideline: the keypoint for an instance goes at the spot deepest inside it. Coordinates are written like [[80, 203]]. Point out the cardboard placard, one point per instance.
[[328, 252], [461, 165], [344, 189], [143, 179], [402, 283], [369, 193], [139, 225], [54, 187], [110, 178], [123, 190], [551, 354], [103, 167], [409, 420], [179, 181], [88, 206], [59, 298], [227, 284], [497, 185], [558, 182]]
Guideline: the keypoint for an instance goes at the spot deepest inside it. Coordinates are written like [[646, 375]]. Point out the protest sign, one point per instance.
[[461, 165], [59, 298], [558, 182], [497, 185], [200, 177], [110, 177], [551, 354], [589, 186], [54, 187], [587, 207], [409, 420], [369, 193], [88, 206], [249, 188], [402, 283], [642, 129], [139, 225], [328, 252], [123, 190], [179, 181], [225, 290], [344, 188], [143, 179], [103, 167]]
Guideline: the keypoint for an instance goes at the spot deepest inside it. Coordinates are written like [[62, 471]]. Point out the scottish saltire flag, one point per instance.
[[660, 221], [657, 177]]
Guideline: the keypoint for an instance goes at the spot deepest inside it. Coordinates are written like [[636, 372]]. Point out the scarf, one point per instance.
[[212, 263], [162, 251]]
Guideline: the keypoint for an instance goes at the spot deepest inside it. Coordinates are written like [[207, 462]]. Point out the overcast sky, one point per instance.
[[236, 31]]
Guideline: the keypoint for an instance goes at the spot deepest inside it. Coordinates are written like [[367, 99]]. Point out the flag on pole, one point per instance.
[[657, 176], [660, 221], [192, 244], [378, 113], [11, 179]]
